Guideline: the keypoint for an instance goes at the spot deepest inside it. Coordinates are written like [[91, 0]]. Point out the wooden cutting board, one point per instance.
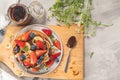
[[75, 68]]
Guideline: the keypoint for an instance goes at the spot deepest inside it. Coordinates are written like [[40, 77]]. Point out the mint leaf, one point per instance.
[[25, 49]]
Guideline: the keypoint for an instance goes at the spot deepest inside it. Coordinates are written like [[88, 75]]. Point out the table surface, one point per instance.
[[104, 64]]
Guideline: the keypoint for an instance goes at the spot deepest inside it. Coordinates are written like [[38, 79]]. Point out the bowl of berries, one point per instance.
[[37, 49]]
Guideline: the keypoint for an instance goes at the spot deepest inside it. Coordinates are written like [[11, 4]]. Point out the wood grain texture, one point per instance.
[[75, 68]]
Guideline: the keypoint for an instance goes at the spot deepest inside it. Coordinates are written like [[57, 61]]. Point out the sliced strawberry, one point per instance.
[[26, 36], [39, 44], [35, 69], [33, 58], [57, 44], [47, 32], [50, 63], [40, 52], [20, 43], [27, 63], [55, 55]]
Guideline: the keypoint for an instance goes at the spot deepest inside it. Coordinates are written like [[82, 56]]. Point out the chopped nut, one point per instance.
[[55, 71], [74, 62], [75, 73], [71, 67]]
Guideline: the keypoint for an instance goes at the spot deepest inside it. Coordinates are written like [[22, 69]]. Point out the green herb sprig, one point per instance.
[[91, 55], [68, 12]]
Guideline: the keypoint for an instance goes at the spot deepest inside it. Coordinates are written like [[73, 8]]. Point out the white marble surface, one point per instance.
[[104, 64]]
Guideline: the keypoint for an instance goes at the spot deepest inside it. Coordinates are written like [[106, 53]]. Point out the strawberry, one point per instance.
[[27, 63], [57, 44], [39, 44], [35, 69], [20, 43], [47, 32], [55, 55], [49, 63], [40, 52], [33, 58], [26, 36]]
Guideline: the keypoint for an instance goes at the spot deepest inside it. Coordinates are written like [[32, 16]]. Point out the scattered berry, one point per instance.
[[40, 59], [40, 52], [33, 47], [2, 32], [27, 63], [32, 35], [16, 49], [57, 44], [25, 36], [47, 32], [49, 63], [20, 43], [22, 57], [33, 58], [40, 44], [57, 60], [55, 55], [35, 69]]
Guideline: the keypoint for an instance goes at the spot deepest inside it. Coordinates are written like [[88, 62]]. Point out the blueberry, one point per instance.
[[56, 60], [2, 32], [40, 59], [22, 57], [16, 49], [33, 47], [32, 35]]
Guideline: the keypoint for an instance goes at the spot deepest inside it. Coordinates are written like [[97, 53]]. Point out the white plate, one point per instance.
[[39, 27]]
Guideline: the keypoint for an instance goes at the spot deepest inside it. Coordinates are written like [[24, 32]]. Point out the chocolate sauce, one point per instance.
[[18, 13], [71, 42]]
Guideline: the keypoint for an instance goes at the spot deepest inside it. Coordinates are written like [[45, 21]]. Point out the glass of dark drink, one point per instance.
[[18, 13]]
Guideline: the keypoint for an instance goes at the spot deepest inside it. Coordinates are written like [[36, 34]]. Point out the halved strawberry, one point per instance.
[[57, 44], [39, 44], [55, 55], [50, 63], [33, 58], [20, 43], [35, 69], [47, 32], [40, 52], [27, 63], [26, 36]]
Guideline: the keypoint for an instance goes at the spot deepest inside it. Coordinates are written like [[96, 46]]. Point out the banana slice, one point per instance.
[[36, 38], [46, 58], [47, 44], [28, 45]]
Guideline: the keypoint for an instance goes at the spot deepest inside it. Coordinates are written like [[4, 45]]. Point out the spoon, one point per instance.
[[70, 44]]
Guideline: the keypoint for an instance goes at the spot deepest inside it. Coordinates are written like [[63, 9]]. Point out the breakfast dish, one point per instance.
[[37, 50]]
